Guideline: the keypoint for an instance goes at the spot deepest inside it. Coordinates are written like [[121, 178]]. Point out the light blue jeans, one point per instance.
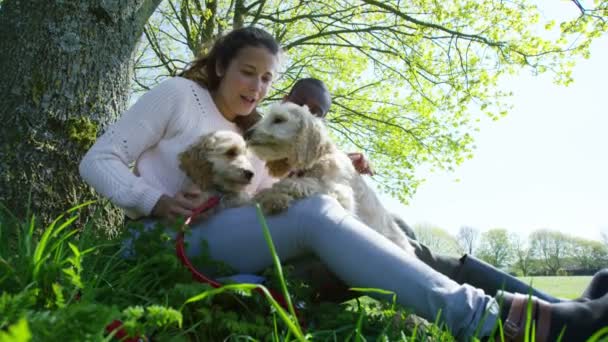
[[357, 254]]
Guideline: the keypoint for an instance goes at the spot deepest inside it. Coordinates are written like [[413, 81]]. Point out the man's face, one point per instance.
[[314, 98]]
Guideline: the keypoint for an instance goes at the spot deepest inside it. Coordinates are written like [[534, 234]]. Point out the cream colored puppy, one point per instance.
[[293, 141], [218, 163]]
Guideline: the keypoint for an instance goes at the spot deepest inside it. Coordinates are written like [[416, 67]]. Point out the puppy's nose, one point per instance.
[[248, 134], [248, 174]]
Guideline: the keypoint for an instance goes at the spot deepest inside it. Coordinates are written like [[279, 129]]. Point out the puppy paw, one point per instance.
[[239, 200], [299, 187], [344, 195], [273, 202]]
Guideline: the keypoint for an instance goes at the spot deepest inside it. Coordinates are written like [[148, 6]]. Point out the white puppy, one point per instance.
[[291, 140]]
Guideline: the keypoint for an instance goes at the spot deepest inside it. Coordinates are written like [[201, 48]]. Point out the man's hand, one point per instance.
[[361, 164]]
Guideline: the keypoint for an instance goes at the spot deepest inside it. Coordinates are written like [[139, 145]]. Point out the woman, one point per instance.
[[217, 89]]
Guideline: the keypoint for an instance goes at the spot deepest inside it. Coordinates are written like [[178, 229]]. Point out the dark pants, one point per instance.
[[466, 269]]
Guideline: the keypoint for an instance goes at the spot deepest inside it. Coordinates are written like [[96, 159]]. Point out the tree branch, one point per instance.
[[142, 15]]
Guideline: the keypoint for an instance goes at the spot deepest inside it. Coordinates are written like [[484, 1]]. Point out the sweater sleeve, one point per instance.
[[106, 165]]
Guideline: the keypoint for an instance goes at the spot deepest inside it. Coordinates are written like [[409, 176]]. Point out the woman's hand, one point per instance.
[[180, 205], [361, 164]]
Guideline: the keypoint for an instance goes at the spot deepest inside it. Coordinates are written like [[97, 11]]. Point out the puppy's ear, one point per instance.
[[195, 165], [313, 140], [279, 168]]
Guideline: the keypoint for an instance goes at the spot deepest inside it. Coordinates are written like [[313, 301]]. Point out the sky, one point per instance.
[[545, 165]]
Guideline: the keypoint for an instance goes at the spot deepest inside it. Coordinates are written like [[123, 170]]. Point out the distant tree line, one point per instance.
[[542, 252]]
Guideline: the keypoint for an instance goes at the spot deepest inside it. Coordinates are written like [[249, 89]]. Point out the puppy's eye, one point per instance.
[[278, 120], [231, 153]]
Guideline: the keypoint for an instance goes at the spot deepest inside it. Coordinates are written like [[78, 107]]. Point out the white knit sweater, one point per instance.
[[151, 134]]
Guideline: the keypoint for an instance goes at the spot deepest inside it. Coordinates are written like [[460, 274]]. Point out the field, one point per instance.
[[562, 287]]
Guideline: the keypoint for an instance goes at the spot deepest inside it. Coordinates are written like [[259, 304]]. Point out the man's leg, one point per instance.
[[472, 271]]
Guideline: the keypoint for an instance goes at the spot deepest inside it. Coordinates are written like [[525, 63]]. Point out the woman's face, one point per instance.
[[245, 82]]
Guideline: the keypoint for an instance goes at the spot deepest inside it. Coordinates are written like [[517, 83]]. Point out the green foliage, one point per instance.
[[153, 295], [588, 254], [410, 80], [14, 306], [139, 320], [523, 256], [551, 247], [558, 252], [497, 247], [68, 284], [18, 332], [437, 239]]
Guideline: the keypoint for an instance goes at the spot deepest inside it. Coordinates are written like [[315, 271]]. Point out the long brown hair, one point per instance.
[[203, 69]]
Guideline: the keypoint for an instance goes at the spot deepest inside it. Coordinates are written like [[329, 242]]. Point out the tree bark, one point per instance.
[[65, 71]]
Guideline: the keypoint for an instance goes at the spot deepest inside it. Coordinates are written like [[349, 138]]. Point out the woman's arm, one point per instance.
[[106, 165]]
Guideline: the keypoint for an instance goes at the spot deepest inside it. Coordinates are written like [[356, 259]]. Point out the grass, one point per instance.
[[66, 283], [562, 287]]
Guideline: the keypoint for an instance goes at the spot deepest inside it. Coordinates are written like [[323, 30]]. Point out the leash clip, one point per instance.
[[212, 202]]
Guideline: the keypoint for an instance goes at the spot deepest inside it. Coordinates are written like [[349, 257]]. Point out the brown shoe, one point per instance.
[[514, 326], [572, 320]]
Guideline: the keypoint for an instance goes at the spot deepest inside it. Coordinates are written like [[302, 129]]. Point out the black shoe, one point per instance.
[[444, 264], [598, 286]]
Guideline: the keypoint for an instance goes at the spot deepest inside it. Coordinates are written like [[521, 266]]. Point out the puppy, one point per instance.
[[218, 163], [290, 138]]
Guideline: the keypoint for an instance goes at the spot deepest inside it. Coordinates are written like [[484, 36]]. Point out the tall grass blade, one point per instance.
[[294, 328], [358, 328], [41, 246], [277, 264], [528, 319], [41, 253], [597, 336]]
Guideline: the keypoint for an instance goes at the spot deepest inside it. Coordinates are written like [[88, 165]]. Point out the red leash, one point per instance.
[[121, 334], [198, 276], [180, 249]]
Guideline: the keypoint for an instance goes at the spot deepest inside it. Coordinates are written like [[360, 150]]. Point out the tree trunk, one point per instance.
[[65, 71]]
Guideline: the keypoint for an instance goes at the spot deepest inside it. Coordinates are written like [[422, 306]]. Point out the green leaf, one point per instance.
[[18, 332]]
